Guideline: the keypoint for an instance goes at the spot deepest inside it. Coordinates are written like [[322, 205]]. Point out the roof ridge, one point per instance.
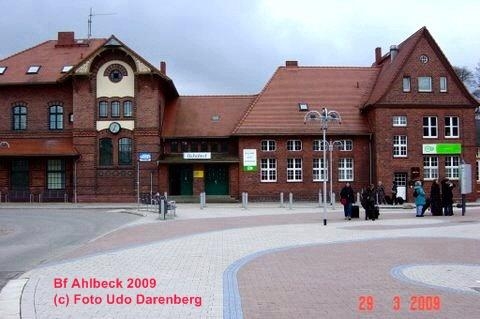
[[25, 50], [326, 67], [221, 95], [250, 108]]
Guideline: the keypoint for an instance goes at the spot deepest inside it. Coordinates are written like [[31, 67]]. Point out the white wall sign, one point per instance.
[[197, 155]]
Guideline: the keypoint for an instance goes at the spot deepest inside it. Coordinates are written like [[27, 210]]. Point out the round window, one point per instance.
[[115, 75]]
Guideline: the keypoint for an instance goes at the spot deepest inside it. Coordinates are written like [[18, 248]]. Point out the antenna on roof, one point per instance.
[[90, 20]]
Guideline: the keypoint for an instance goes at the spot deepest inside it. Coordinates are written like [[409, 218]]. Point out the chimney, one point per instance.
[[378, 55], [291, 64], [393, 52], [66, 38], [163, 67]]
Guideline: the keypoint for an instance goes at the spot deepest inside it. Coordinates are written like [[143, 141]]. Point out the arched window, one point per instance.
[[127, 109], [125, 151], [115, 109], [19, 119], [56, 117], [102, 109], [106, 152]]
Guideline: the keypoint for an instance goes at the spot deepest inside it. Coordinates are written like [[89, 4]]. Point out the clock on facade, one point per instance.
[[114, 127]]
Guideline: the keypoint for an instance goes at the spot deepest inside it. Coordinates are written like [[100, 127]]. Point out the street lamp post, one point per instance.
[[331, 145], [324, 117]]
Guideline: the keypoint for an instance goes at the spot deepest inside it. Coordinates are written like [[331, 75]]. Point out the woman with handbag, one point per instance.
[[347, 198]]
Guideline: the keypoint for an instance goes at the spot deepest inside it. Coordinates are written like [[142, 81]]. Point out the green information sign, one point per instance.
[[249, 160], [442, 148]]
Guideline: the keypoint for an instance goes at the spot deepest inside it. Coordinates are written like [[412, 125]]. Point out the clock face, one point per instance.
[[114, 127]]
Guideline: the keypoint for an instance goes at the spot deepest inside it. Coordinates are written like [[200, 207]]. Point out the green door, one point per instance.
[[181, 180], [216, 180], [186, 180], [19, 180]]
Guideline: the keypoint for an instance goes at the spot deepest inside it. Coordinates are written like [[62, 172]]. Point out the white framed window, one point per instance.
[[268, 145], [443, 84], [430, 167], [268, 170], [318, 145], [3, 69], [294, 145], [346, 145], [451, 167], [294, 169], [320, 171], [406, 84], [399, 120], [452, 127], [345, 169], [400, 146], [430, 129], [424, 84]]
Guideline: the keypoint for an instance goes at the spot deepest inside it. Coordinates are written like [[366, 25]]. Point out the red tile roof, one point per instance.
[[50, 57], [37, 147], [191, 116], [343, 89], [390, 69]]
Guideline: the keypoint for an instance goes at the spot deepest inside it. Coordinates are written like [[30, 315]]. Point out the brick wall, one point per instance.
[[307, 189]]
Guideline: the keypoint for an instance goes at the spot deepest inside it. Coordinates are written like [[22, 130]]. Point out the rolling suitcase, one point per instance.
[[372, 213], [355, 211]]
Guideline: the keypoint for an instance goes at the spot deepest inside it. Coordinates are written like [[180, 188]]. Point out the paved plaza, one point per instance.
[[263, 262]]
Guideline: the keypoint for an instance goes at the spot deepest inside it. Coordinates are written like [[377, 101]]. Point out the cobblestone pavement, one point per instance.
[[268, 266]]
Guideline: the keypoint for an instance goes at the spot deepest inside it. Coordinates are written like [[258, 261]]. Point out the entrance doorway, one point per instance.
[[401, 180], [216, 179], [180, 179]]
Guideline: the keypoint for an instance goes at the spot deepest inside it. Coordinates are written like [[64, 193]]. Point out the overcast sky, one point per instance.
[[233, 47]]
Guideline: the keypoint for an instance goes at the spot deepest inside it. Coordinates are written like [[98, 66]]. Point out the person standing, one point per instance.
[[420, 199], [347, 198], [380, 191], [447, 196], [435, 199]]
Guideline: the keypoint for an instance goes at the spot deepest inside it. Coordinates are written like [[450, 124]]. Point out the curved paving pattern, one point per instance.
[[194, 265]]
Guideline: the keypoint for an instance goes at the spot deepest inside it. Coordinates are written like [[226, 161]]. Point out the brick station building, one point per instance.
[[90, 120]]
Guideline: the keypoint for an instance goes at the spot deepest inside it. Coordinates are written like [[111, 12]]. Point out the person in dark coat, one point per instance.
[[368, 202], [380, 192], [435, 199], [447, 196], [347, 198], [394, 193]]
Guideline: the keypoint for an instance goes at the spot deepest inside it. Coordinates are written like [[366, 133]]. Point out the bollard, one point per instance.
[[244, 200], [203, 200], [281, 200], [290, 200], [162, 208]]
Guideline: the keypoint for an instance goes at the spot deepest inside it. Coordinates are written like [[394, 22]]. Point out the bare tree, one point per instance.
[[465, 75]]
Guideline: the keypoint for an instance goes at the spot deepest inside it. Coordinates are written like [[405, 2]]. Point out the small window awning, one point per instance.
[[37, 147]]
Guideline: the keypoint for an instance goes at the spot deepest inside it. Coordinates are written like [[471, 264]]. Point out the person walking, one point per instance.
[[435, 199], [420, 198], [347, 198], [394, 193]]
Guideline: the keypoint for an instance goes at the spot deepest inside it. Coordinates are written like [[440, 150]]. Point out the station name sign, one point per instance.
[[442, 148], [197, 155]]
